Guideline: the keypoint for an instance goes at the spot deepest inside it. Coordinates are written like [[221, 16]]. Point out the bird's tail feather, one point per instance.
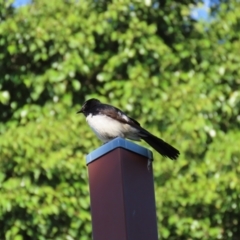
[[160, 146]]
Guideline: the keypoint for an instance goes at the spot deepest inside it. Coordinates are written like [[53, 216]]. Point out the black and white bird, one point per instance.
[[109, 122]]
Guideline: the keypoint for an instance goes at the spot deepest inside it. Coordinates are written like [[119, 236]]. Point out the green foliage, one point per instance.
[[177, 76]]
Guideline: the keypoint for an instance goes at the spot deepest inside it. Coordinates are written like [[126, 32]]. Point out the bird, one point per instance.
[[109, 122]]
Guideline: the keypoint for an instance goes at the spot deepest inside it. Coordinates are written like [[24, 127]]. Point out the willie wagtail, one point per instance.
[[108, 122]]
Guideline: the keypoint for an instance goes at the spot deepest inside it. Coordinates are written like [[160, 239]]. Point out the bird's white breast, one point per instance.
[[107, 128]]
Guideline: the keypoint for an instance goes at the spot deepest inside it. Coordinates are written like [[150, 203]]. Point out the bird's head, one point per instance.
[[87, 106]]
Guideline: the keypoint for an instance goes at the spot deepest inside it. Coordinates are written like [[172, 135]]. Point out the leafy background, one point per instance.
[[178, 76]]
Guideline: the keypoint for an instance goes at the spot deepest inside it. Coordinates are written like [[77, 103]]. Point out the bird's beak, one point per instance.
[[80, 111]]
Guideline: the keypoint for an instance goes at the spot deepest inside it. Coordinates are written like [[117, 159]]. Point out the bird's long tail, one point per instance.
[[159, 145]]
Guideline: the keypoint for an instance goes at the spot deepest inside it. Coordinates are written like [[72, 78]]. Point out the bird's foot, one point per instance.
[[149, 163]]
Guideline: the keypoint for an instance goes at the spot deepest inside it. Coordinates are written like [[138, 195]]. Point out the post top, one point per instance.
[[118, 143]]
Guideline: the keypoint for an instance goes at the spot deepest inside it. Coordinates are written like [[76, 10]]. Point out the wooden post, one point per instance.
[[122, 192]]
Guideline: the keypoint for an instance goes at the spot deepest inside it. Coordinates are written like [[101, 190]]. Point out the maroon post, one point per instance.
[[122, 192]]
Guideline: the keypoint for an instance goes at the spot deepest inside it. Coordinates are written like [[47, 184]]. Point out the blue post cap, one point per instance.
[[118, 143]]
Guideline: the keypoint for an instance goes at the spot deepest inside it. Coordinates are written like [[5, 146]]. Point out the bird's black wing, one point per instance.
[[118, 115]]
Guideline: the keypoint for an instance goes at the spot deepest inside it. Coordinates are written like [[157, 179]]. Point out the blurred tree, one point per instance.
[[177, 76]]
